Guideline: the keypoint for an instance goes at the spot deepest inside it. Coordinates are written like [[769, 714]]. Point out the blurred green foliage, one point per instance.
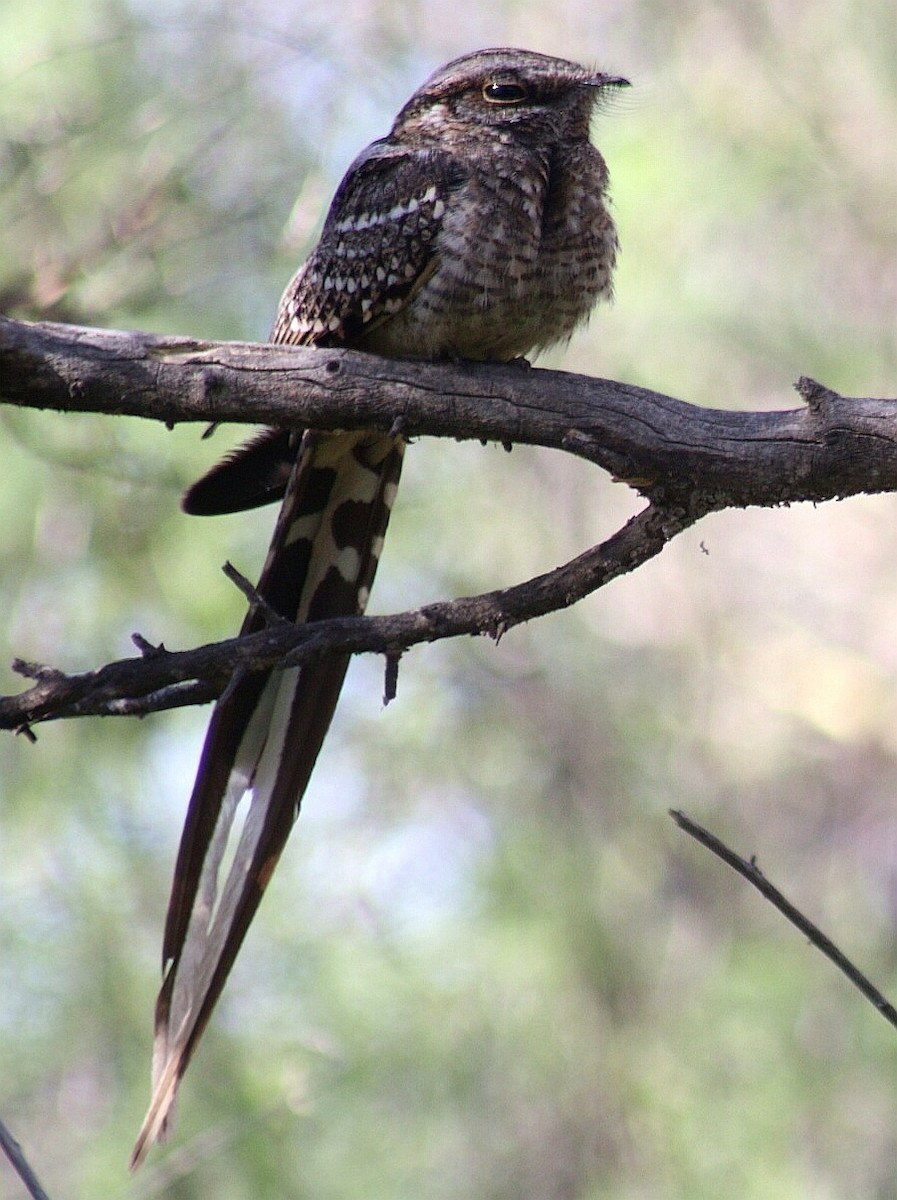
[[488, 966]]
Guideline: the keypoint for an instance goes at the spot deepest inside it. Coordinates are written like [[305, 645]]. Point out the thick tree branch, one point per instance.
[[831, 447], [688, 461]]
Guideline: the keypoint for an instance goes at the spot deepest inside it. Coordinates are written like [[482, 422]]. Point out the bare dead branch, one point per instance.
[[166, 679], [831, 447], [20, 1164], [688, 461], [749, 870]]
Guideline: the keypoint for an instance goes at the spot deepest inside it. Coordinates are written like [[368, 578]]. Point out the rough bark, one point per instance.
[[687, 461]]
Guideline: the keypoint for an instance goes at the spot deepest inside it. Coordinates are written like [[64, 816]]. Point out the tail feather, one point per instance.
[[265, 737]]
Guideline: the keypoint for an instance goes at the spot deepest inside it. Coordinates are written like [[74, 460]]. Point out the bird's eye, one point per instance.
[[504, 93]]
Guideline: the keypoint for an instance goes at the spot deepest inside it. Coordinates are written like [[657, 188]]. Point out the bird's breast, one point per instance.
[[522, 255]]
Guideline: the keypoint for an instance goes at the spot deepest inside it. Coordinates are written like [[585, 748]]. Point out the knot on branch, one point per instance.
[[815, 395]]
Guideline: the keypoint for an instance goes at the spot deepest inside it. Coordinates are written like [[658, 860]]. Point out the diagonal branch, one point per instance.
[[749, 870], [162, 679], [20, 1164]]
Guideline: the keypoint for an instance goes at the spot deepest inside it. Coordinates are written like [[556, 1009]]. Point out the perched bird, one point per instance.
[[478, 228]]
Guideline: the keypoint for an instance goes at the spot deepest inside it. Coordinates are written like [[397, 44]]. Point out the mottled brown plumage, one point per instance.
[[478, 228]]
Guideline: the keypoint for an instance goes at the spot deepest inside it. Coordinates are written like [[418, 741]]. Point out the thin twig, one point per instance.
[[751, 872], [391, 677], [268, 613], [14, 1153]]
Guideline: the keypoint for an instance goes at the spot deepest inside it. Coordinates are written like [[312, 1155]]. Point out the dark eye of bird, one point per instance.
[[504, 93]]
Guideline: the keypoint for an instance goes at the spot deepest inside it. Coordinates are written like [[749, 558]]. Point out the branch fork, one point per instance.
[[685, 460]]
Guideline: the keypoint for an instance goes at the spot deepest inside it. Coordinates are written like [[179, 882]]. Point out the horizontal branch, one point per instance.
[[711, 458], [162, 679]]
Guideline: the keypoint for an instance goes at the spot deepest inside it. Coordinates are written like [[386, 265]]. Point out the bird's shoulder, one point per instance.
[[377, 245]]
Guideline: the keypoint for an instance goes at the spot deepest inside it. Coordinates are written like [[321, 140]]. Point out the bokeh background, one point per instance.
[[489, 965]]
